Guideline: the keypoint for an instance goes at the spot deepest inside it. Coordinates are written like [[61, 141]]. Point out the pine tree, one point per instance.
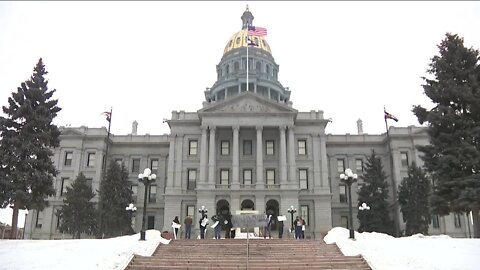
[[374, 193], [27, 138], [453, 156], [413, 195], [115, 194], [78, 214]]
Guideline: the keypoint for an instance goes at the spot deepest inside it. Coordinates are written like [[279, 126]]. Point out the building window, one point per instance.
[[58, 222], [236, 65], [258, 66], [39, 219], [302, 147], [134, 192], [135, 165], [152, 195], [190, 210], [344, 221], [90, 159], [340, 165], [247, 177], [303, 178], [343, 193], [304, 212], [192, 147], [404, 159], [68, 158], [65, 184], [224, 177], [435, 222], [270, 148], [225, 148], [458, 220], [270, 177], [358, 166], [89, 182], [154, 165], [247, 148], [192, 179]]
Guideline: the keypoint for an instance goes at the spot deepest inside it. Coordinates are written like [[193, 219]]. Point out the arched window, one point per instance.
[[258, 66], [227, 69], [236, 66], [268, 69]]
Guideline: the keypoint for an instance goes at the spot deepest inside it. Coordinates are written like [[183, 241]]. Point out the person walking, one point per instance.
[[303, 228], [188, 226], [203, 225]]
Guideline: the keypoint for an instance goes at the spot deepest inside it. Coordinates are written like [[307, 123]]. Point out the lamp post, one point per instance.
[[146, 178], [203, 210], [131, 209], [291, 210], [348, 178]]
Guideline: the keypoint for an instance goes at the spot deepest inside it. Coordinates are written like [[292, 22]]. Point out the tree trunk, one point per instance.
[[13, 232], [476, 223]]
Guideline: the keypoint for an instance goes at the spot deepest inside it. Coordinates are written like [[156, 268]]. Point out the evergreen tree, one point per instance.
[[374, 193], [413, 195], [115, 194], [453, 156], [27, 136], [78, 212]]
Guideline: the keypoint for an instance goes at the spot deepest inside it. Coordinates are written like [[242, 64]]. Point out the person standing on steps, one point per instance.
[[203, 225], [188, 226], [176, 221], [268, 227], [280, 229]]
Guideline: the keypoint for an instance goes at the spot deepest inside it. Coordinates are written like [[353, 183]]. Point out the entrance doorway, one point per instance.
[[223, 212], [247, 205], [272, 208]]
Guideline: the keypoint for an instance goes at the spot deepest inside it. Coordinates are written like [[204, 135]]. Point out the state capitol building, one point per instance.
[[246, 149]]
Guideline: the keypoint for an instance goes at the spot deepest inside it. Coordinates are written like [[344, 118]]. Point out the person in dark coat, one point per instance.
[[298, 228], [228, 226]]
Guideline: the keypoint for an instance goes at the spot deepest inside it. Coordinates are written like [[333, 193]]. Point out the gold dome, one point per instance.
[[239, 40]]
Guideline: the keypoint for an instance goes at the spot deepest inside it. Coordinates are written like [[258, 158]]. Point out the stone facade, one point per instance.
[[246, 148]]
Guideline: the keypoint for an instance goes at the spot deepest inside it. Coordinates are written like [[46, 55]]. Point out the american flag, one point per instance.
[[257, 31], [108, 115], [390, 116]]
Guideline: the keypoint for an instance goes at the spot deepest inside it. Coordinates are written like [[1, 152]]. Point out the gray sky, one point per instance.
[[146, 59]]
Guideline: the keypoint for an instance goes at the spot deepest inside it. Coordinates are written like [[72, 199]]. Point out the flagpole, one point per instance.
[[247, 57], [394, 186]]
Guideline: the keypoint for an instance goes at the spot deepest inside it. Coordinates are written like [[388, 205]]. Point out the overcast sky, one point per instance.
[[146, 59]]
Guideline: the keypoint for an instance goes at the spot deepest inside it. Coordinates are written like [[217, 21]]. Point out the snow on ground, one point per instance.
[[114, 253], [381, 251], [416, 252]]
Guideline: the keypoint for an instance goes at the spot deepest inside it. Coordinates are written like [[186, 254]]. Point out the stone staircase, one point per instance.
[[232, 254]]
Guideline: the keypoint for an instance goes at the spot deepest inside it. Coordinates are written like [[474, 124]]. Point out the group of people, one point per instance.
[[218, 220]]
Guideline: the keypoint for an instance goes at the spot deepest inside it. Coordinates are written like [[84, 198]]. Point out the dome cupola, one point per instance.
[[247, 64]]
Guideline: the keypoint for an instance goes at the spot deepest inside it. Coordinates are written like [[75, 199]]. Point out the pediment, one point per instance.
[[247, 103]]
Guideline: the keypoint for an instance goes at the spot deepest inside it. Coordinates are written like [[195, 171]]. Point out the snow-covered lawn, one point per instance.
[[418, 252], [381, 251]]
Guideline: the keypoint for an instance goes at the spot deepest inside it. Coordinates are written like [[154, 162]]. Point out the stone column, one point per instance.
[[203, 156], [178, 161], [283, 156], [291, 156], [235, 158], [259, 171], [316, 151], [211, 157], [171, 161], [324, 161]]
